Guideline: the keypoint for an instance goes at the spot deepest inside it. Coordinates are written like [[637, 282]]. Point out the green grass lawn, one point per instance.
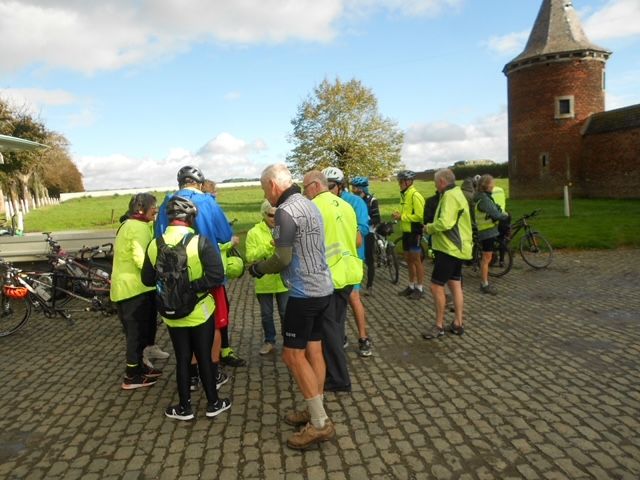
[[593, 224]]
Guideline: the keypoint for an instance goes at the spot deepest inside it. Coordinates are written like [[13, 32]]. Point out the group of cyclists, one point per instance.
[[307, 253], [450, 219]]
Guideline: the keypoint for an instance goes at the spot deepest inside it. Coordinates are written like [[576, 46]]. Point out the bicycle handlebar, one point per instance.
[[532, 214], [94, 251]]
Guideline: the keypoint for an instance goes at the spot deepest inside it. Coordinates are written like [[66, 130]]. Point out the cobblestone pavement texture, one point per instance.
[[543, 385]]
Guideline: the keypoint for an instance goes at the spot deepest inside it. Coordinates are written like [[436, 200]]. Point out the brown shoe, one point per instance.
[[311, 435], [296, 418]]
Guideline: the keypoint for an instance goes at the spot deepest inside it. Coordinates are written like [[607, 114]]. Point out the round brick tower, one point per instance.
[[554, 85]]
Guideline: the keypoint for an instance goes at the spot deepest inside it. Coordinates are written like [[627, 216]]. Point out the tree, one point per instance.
[[25, 175], [59, 173], [340, 126]]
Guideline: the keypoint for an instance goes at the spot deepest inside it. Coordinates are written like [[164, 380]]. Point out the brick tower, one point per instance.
[[554, 86]]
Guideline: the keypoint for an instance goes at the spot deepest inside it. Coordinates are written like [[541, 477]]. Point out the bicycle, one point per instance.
[[22, 292], [502, 259], [385, 251], [81, 273], [534, 248]]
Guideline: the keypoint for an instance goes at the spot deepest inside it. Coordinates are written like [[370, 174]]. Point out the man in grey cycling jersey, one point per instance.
[[300, 258]]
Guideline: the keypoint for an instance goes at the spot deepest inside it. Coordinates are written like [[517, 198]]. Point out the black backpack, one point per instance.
[[174, 297]]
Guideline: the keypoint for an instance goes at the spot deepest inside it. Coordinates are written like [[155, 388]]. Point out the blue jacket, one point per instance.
[[362, 216], [211, 221]]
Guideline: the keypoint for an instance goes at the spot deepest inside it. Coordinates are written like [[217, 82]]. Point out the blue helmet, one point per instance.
[[360, 182]]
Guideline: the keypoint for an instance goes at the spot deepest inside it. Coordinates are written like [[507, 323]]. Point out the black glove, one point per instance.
[[253, 271]]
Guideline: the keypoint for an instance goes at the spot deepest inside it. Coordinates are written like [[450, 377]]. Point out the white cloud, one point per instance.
[[112, 34], [617, 19], [509, 44], [34, 99], [437, 145], [231, 96], [406, 7], [223, 157], [82, 118]]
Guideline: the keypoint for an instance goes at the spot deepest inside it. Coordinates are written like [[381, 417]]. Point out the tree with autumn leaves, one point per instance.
[[32, 175], [339, 125]]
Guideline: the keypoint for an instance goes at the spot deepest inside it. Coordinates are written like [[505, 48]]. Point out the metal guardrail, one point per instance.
[[32, 247]]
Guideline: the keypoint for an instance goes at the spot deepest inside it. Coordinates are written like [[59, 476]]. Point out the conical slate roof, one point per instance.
[[557, 30]]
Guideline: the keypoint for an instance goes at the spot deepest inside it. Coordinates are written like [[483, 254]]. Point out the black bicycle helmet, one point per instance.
[[406, 175], [190, 173], [180, 208], [360, 181]]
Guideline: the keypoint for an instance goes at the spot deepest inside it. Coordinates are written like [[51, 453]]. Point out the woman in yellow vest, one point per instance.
[[487, 215], [259, 246], [192, 334], [134, 301]]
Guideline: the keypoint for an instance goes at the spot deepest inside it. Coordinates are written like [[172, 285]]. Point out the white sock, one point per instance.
[[412, 286], [317, 412], [419, 287], [485, 284]]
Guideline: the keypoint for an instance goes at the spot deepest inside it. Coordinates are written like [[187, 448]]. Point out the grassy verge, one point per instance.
[[594, 223]]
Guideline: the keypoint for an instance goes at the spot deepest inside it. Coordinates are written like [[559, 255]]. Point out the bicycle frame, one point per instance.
[[385, 252], [91, 277]]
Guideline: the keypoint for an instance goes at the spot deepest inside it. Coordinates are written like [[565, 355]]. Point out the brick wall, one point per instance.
[[612, 164], [534, 131]]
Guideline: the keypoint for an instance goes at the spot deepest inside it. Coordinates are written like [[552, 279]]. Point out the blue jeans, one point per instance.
[[266, 312]]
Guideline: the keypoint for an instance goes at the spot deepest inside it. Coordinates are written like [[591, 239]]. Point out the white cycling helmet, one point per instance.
[[333, 174]]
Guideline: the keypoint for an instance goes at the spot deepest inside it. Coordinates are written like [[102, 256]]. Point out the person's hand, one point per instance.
[[253, 271], [235, 241], [396, 215]]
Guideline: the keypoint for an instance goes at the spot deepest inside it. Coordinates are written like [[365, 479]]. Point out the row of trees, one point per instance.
[[27, 178]]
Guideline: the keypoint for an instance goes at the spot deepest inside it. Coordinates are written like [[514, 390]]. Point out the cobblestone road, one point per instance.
[[543, 385]]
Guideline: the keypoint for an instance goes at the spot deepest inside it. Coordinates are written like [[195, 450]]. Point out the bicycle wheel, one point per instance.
[[13, 314], [392, 263], [501, 263], [535, 250]]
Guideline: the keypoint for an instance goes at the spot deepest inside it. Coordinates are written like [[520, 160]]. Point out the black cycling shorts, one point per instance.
[[411, 242], [487, 244], [445, 268], [303, 320]]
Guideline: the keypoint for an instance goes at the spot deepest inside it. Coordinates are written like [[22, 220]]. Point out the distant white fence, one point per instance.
[[132, 191]]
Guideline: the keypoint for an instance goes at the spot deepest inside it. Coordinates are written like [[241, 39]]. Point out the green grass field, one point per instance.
[[593, 224]]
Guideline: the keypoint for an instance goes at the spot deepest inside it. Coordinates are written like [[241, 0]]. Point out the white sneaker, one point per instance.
[[154, 351], [147, 362], [266, 348]]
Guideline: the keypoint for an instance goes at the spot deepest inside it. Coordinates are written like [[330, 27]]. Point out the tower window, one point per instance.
[[564, 107], [544, 161]]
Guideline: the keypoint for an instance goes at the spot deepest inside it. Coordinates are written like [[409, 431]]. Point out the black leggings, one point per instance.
[[138, 317], [369, 257], [194, 340]]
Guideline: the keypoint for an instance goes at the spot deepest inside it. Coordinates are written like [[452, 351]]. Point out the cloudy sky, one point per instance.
[[142, 88]]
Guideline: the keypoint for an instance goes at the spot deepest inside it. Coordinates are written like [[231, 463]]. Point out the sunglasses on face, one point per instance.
[[271, 215]]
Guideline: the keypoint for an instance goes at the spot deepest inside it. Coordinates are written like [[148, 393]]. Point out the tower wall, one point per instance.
[[545, 151]]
